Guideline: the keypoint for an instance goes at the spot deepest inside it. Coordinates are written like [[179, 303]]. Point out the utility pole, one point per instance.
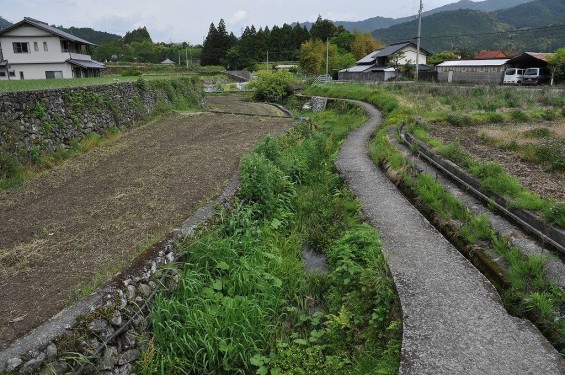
[[418, 41], [186, 56], [327, 57], [268, 67]]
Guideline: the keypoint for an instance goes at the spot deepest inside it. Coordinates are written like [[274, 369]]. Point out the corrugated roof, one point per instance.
[[44, 26], [367, 68], [369, 59], [539, 55], [492, 62], [87, 64], [357, 69]]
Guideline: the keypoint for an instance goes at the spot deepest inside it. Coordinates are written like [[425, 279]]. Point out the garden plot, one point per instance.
[[76, 225], [533, 152]]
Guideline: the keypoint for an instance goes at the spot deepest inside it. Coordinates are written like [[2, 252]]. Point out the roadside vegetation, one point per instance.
[[526, 290], [246, 304]]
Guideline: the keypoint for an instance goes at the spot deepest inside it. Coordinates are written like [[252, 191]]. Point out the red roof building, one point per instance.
[[489, 55]]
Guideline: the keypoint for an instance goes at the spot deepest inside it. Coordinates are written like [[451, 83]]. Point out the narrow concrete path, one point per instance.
[[454, 321]]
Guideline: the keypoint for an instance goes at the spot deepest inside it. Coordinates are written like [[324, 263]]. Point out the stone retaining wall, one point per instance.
[[33, 122]]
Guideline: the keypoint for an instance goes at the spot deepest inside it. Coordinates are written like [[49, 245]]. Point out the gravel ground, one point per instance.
[[454, 321], [93, 214]]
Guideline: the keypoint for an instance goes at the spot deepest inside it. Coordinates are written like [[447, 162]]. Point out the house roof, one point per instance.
[[87, 64], [489, 55], [44, 26], [167, 62], [491, 62], [367, 68], [530, 59], [539, 55], [387, 51]]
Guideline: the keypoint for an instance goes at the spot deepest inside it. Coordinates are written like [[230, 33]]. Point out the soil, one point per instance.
[[530, 175], [241, 104], [94, 214]]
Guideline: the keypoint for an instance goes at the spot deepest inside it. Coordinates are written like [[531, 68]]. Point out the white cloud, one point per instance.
[[237, 17]]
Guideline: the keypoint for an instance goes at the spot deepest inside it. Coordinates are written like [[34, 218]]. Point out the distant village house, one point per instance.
[[383, 64], [31, 49]]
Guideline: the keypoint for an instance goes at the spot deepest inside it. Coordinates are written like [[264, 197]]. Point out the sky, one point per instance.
[[189, 20]]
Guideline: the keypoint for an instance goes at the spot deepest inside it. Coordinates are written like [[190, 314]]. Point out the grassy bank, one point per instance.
[[529, 293], [245, 303]]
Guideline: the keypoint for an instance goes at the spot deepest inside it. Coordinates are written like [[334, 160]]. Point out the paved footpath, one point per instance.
[[454, 321]]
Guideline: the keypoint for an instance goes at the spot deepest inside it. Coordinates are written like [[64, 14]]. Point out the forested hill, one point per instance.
[[4, 23], [86, 33], [473, 31], [375, 23], [534, 14]]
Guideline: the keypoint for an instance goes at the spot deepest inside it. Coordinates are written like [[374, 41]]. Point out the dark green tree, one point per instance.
[[138, 35], [322, 29]]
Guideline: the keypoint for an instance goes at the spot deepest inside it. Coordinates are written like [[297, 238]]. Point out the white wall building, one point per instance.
[[31, 49], [380, 65]]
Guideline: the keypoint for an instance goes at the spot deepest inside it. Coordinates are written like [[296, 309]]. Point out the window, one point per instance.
[[64, 46], [2, 74], [13, 73], [35, 47], [21, 47], [53, 74], [45, 46]]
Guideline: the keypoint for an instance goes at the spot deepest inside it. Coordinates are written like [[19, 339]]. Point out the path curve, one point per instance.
[[454, 320]]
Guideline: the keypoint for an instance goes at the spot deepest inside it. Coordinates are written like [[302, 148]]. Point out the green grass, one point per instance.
[[46, 84], [244, 298]]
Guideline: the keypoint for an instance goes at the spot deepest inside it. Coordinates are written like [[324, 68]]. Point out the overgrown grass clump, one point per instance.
[[245, 303]]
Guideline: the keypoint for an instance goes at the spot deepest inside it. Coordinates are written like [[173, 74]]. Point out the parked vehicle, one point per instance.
[[513, 76], [536, 76]]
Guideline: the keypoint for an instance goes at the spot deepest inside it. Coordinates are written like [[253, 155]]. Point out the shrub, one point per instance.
[[264, 185], [9, 166], [457, 119], [273, 86]]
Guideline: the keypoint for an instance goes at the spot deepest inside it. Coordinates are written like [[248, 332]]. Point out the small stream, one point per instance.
[[314, 261]]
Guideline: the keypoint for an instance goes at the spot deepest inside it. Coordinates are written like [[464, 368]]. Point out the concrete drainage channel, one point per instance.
[[543, 238], [103, 333], [544, 232]]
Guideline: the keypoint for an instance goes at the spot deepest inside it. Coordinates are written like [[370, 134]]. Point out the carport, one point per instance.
[[529, 60]]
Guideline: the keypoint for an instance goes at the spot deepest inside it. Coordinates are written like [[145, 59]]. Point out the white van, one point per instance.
[[513, 76]]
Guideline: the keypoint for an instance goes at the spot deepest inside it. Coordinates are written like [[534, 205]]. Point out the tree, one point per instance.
[[322, 29], [343, 41], [363, 44], [138, 35], [217, 44], [438, 58], [557, 64], [344, 60], [312, 54]]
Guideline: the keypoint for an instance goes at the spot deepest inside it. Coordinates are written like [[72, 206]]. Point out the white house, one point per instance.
[[31, 49], [380, 65]]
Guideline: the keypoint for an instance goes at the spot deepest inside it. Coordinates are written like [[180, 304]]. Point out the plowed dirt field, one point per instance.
[[92, 215]]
